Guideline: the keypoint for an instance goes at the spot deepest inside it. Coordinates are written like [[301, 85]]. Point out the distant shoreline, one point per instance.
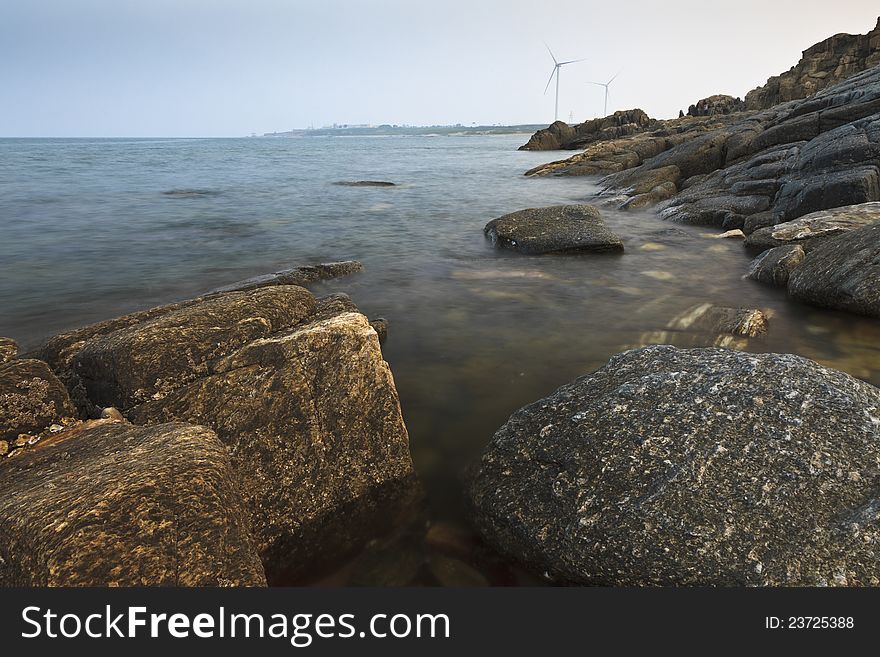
[[414, 131]]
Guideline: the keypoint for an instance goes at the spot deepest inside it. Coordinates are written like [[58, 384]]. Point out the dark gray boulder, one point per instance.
[[774, 266], [111, 504], [690, 467], [843, 272], [554, 229]]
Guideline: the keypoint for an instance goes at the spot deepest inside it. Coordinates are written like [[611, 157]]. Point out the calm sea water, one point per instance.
[[87, 234]]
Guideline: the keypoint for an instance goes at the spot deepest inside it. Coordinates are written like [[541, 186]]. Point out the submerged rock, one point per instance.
[[119, 505], [31, 398], [709, 318], [297, 390], [365, 183], [8, 350], [555, 229], [301, 276], [690, 467]]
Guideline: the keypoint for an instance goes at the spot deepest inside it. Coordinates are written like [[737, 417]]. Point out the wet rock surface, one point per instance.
[[301, 276], [555, 229], [690, 467], [111, 504], [774, 266], [31, 399]]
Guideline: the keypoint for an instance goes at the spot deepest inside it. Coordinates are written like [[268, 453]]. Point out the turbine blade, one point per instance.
[[572, 61], [555, 68], [615, 76], [551, 53], [598, 84]]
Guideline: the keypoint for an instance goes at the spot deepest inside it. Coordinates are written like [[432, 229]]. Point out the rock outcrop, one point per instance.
[[757, 168], [561, 136], [555, 229], [717, 104], [111, 504], [297, 390], [821, 65], [31, 399], [690, 467]]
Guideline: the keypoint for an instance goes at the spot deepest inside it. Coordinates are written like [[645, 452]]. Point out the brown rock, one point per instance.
[[31, 398], [8, 350], [151, 359], [119, 505]]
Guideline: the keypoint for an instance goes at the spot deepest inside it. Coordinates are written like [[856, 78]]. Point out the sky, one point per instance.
[[231, 68]]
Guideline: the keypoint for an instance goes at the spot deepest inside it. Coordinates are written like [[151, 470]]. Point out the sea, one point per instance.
[[94, 228]]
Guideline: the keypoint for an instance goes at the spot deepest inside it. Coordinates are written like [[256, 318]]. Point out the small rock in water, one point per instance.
[[380, 326], [189, 193], [659, 275], [736, 232], [774, 266], [652, 246], [555, 229], [365, 183]]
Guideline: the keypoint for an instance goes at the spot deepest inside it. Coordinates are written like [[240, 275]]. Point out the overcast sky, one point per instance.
[[224, 67]]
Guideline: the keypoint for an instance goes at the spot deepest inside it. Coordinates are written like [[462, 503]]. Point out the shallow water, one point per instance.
[[90, 231]]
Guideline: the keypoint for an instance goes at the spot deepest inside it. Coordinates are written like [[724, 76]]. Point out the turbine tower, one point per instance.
[[606, 85], [556, 66]]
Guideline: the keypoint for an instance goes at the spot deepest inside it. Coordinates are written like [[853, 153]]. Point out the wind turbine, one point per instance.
[[556, 66], [606, 85]]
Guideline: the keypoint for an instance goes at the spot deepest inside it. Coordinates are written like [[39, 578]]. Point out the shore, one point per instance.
[[255, 435]]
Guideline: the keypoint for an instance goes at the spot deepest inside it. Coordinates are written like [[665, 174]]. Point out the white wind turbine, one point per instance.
[[606, 85], [556, 66]]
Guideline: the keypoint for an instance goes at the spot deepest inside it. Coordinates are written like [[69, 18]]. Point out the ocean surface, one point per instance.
[[90, 231]]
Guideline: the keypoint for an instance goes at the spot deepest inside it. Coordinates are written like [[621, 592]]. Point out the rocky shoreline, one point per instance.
[[254, 435]]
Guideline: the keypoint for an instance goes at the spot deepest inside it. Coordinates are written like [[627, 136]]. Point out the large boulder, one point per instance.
[[555, 229], [31, 399], [690, 467], [297, 390], [560, 135], [111, 504], [842, 272]]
